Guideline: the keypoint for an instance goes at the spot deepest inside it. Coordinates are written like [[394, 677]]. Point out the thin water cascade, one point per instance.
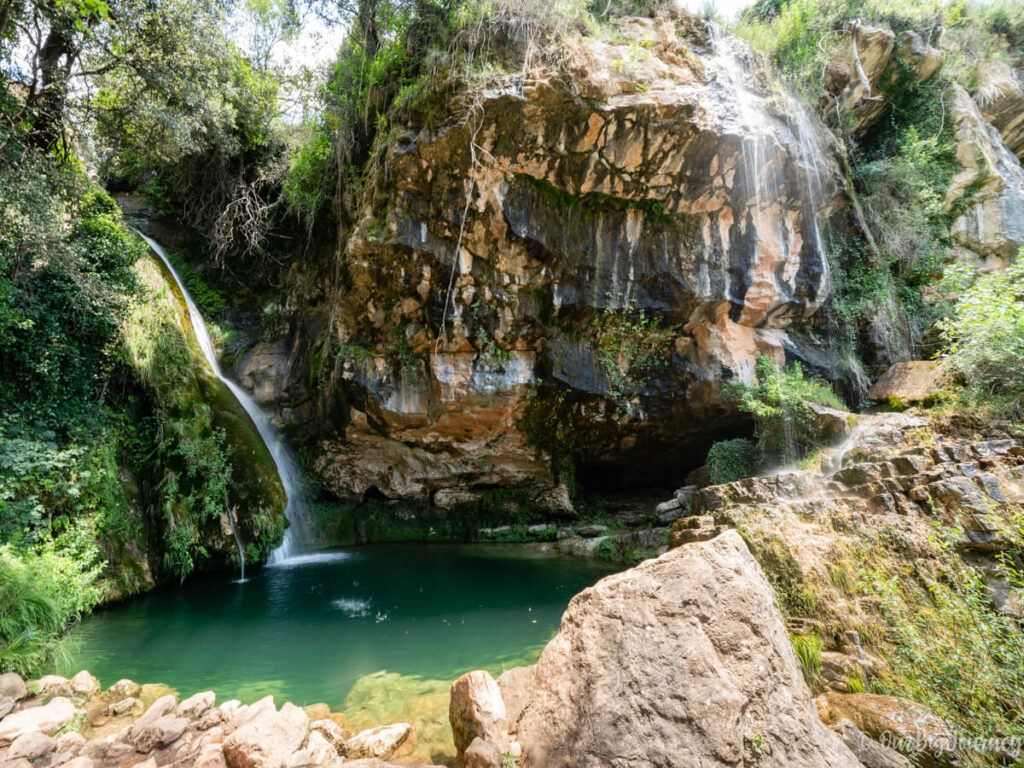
[[297, 537]]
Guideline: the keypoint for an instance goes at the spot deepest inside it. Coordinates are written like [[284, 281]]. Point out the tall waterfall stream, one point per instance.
[[298, 535]]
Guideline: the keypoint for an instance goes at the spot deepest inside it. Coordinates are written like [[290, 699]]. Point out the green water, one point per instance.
[[309, 632]]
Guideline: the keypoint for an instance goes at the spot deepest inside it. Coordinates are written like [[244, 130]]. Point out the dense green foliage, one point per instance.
[[780, 403], [111, 460], [986, 330], [731, 460]]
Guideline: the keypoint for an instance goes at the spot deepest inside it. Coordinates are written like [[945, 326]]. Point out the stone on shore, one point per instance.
[[31, 746], [267, 740], [476, 710], [49, 719], [12, 685]]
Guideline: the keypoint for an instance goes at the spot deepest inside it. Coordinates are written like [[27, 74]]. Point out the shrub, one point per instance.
[[730, 460], [985, 331], [43, 590], [780, 402]]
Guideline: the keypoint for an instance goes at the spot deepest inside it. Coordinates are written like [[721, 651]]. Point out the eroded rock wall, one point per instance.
[[662, 176]]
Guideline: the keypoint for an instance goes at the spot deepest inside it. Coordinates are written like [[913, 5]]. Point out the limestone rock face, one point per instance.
[[676, 187], [989, 189], [867, 65], [683, 660], [1000, 96]]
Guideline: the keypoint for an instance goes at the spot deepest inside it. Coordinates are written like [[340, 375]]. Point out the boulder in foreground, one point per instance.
[[683, 660]]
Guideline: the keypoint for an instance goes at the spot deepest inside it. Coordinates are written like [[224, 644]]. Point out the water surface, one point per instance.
[[310, 630]]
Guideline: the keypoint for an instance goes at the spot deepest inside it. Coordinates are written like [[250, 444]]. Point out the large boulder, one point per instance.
[[987, 193], [911, 382], [267, 740], [683, 660], [476, 709]]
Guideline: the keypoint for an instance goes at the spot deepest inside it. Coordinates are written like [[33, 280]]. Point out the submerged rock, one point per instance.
[[683, 660], [380, 742]]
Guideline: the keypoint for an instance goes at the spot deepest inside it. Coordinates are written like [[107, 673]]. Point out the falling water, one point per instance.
[[298, 534], [758, 135]]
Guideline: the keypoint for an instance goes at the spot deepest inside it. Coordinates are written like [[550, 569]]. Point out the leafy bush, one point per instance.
[[779, 401], [985, 331], [730, 460]]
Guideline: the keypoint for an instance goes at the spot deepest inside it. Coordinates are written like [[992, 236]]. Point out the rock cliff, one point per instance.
[[659, 192]]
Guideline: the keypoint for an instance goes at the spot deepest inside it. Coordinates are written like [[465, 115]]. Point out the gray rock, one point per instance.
[[197, 705], [590, 531], [13, 686], [871, 753], [7, 705], [162, 706], [163, 731], [378, 742]]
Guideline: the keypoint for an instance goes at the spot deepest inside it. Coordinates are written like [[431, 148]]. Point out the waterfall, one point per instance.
[[754, 123], [298, 534]]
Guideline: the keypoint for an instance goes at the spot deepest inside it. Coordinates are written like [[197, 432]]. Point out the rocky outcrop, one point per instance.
[[888, 719], [873, 59], [477, 711], [664, 182], [1000, 96], [683, 660], [987, 194]]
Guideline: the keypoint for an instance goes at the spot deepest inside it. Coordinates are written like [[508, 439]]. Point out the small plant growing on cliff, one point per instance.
[[629, 342], [808, 651], [780, 403]]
